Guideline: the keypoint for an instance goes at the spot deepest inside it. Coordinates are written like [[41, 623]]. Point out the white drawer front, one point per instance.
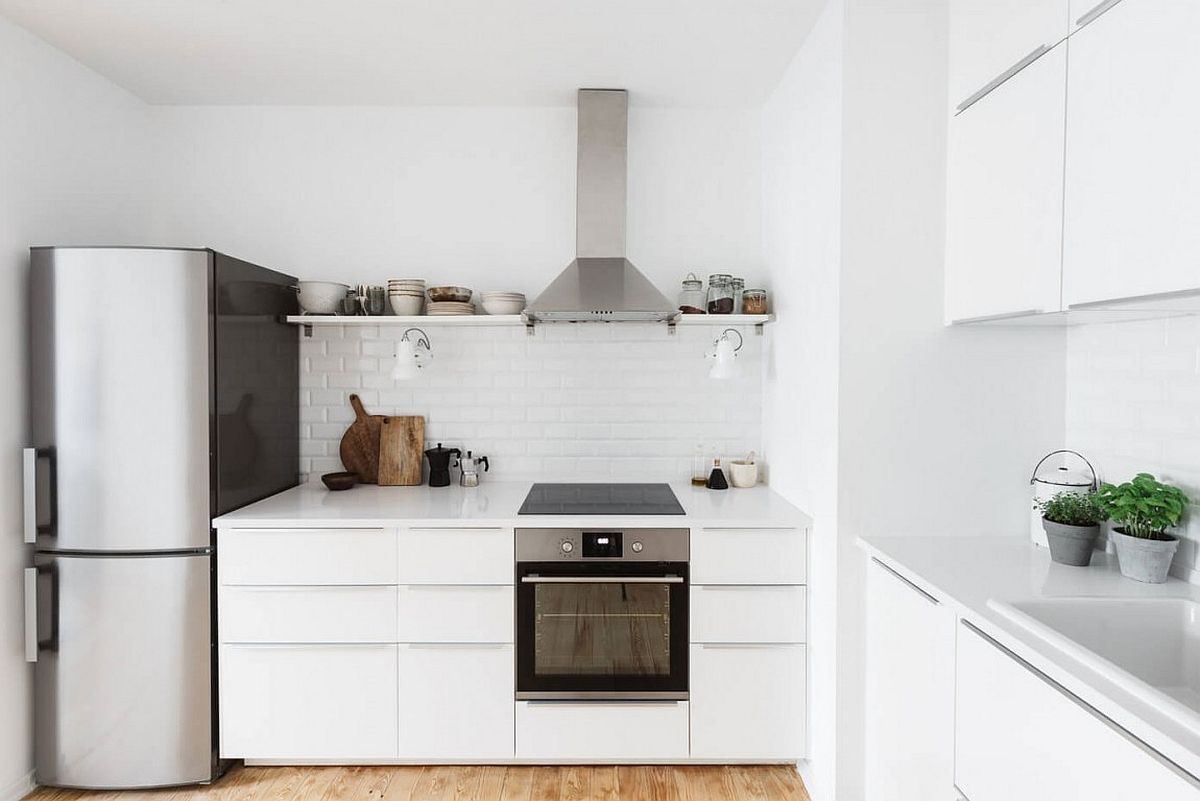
[[727, 613], [595, 732], [283, 614], [456, 702], [308, 701], [456, 556], [440, 613], [748, 556], [307, 556], [748, 701]]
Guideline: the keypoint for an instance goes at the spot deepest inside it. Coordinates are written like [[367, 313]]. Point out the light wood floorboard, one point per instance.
[[476, 783]]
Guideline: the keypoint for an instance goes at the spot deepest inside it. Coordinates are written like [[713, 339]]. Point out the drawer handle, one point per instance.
[[1095, 13], [459, 646], [995, 83], [534, 579], [924, 594], [732, 646]]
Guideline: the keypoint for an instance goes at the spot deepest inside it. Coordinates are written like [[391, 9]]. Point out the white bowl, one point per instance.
[[321, 297], [493, 306], [407, 305]]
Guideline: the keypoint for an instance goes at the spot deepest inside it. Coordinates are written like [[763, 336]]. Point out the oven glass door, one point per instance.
[[602, 630]]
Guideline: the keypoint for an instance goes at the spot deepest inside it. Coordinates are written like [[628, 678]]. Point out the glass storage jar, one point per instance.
[[720, 294], [754, 301], [691, 296], [736, 285]]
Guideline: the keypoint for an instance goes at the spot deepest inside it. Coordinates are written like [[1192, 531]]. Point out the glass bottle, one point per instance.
[[699, 467], [736, 286], [720, 294], [691, 296]]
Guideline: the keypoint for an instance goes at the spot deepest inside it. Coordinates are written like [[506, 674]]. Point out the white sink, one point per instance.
[[1148, 646]]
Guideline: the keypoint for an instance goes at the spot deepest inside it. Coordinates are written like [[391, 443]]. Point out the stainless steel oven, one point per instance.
[[602, 614]]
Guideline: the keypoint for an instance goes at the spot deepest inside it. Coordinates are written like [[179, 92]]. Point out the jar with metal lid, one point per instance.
[[736, 285], [691, 296], [720, 294], [754, 301]]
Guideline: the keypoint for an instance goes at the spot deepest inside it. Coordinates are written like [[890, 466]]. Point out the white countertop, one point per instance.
[[496, 503], [966, 572]]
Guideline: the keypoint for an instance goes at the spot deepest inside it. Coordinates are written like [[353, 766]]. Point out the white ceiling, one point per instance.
[[427, 52]]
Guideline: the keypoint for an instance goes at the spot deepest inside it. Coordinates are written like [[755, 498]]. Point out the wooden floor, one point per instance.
[[474, 783]]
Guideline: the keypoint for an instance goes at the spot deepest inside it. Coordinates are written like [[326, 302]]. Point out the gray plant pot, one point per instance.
[[1144, 560], [1071, 545]]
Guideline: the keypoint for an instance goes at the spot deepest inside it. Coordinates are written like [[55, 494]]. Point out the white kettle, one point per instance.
[[1053, 480]]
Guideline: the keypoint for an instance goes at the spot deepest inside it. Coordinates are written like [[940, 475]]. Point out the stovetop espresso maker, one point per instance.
[[439, 464]]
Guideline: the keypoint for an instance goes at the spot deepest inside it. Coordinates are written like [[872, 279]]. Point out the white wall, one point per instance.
[[578, 402], [479, 197], [802, 164], [70, 172], [1133, 406]]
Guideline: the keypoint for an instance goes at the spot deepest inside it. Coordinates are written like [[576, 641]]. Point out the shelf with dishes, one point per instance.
[[505, 320]]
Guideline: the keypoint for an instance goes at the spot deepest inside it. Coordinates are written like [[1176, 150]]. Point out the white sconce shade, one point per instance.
[[723, 355], [411, 356]]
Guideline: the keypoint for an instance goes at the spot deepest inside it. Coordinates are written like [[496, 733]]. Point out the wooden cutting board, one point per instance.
[[401, 440], [360, 444]]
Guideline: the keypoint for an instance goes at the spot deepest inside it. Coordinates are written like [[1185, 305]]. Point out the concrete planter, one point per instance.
[[1071, 545], [1143, 560]]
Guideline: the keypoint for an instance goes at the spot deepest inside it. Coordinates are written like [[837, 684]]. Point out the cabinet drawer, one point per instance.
[[456, 556], [748, 614], [308, 701], [748, 556], [307, 556], [456, 701], [441, 613], [293, 614], [1009, 715], [748, 701], [595, 732]]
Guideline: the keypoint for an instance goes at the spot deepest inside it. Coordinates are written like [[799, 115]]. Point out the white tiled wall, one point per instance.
[[1133, 405], [571, 402]]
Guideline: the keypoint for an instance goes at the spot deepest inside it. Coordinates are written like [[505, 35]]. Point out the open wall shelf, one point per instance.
[[509, 321]]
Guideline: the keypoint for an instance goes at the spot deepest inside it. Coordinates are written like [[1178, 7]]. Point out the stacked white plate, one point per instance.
[[502, 302], [407, 295], [448, 308]]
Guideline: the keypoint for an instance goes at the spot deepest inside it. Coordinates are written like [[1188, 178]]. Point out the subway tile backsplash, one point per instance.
[[572, 402], [1133, 405]]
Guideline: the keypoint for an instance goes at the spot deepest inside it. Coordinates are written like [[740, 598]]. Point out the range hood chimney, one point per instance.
[[601, 285]]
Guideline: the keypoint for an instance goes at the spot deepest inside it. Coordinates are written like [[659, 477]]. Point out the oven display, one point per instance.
[[602, 544]]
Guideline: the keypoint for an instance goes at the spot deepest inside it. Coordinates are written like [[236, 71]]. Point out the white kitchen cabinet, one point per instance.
[[988, 38], [472, 613], [731, 613], [1005, 197], [308, 556], [748, 701], [1020, 735], [748, 556], [909, 691], [288, 614], [456, 701], [308, 702], [456, 556], [585, 731], [1133, 164]]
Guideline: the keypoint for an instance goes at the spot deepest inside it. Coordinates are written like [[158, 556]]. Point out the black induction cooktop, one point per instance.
[[601, 499]]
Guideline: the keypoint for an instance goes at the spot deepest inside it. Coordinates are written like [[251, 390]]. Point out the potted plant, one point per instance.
[[1141, 511], [1072, 523]]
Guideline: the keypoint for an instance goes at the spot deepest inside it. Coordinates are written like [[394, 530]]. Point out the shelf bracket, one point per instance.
[[670, 328], [529, 329], [758, 329], [307, 328]]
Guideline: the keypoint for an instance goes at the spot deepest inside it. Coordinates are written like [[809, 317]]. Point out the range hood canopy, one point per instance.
[[601, 285]]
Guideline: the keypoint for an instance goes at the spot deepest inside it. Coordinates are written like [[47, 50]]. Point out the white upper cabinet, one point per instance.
[[1005, 196], [1133, 153], [988, 38]]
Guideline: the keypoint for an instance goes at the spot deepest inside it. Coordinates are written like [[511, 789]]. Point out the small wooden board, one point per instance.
[[401, 440], [360, 444]]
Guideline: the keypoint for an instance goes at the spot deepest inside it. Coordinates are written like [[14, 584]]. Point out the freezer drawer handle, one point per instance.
[[31, 642], [29, 485]]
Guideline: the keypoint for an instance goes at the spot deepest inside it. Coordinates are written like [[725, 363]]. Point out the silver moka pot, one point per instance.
[[469, 469]]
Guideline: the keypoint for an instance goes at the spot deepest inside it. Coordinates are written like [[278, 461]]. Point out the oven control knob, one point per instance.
[[567, 546], [637, 547]]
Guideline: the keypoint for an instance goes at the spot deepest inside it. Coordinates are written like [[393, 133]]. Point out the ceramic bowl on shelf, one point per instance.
[[448, 294], [502, 302], [405, 305], [321, 297]]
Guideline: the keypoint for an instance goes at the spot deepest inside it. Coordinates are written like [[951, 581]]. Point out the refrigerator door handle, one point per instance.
[[29, 492], [31, 637]]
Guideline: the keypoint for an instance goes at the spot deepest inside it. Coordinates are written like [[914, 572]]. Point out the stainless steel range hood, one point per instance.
[[601, 285]]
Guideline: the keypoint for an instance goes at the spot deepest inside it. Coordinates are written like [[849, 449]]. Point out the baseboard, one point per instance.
[[18, 789]]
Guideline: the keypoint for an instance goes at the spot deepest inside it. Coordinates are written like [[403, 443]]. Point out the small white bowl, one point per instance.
[[743, 474], [493, 306], [407, 305]]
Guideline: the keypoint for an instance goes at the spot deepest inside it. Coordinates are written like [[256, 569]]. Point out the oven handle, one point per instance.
[[536, 579]]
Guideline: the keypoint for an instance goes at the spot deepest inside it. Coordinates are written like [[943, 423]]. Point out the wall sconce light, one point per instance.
[[723, 354], [411, 355]]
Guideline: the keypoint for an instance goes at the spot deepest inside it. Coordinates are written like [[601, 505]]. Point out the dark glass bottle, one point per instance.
[[716, 479]]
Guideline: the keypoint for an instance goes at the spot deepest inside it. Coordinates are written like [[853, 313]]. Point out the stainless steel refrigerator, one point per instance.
[[164, 391]]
